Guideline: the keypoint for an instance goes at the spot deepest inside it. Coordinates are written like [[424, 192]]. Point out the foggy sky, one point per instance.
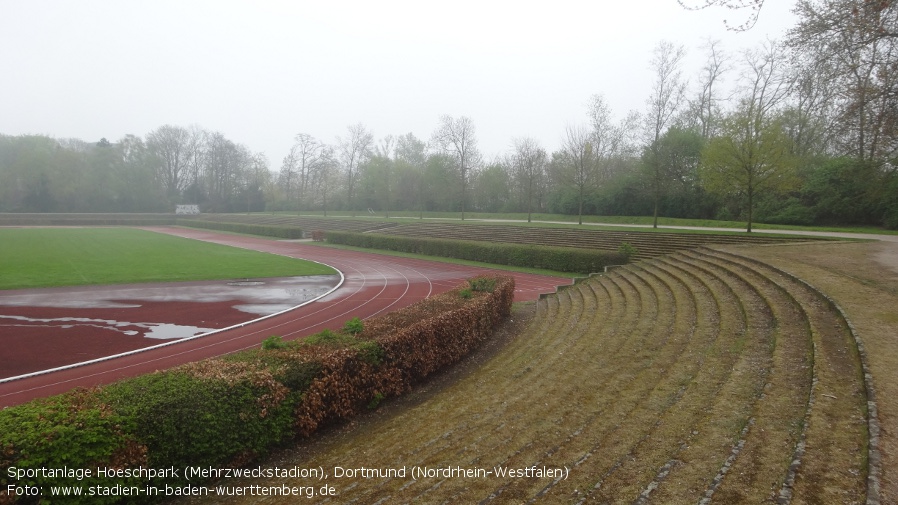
[[261, 72]]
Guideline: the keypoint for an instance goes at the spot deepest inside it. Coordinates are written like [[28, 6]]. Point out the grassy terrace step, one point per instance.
[[684, 422], [595, 389], [684, 379], [833, 459], [648, 244], [615, 379], [780, 412], [698, 377], [307, 224]]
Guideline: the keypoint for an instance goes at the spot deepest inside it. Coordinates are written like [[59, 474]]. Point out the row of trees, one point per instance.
[[800, 131], [170, 165]]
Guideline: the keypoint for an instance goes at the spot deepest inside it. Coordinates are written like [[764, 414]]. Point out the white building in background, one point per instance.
[[187, 209]]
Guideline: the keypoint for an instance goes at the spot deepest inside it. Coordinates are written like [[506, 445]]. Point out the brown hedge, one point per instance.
[[227, 411], [445, 329]]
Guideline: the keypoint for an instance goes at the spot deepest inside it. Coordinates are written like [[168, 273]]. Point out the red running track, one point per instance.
[[374, 284]]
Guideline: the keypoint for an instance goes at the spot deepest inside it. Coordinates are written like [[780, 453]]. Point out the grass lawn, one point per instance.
[[736, 226], [44, 257], [494, 266]]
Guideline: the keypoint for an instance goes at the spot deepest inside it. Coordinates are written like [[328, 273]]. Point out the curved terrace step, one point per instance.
[[686, 378], [779, 412], [831, 464]]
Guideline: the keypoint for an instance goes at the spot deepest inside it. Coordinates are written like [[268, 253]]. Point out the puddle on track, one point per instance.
[[74, 324]]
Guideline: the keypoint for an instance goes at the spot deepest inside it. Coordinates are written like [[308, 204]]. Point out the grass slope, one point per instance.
[[699, 377], [44, 257], [617, 221]]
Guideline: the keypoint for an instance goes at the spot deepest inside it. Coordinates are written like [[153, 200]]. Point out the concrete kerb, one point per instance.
[[576, 280]]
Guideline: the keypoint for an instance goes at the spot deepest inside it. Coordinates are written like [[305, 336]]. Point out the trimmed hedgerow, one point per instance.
[[225, 412], [561, 259], [413, 343], [267, 230], [76, 430], [204, 414]]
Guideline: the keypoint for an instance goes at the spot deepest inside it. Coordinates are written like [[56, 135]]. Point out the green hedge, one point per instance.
[[227, 411], [287, 232], [561, 259]]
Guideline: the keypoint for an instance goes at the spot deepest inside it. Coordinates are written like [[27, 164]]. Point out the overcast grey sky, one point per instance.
[[262, 71]]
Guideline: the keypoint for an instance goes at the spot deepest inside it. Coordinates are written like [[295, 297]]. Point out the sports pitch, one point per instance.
[[47, 257]]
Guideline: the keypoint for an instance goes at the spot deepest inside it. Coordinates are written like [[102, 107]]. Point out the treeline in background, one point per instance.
[[800, 131]]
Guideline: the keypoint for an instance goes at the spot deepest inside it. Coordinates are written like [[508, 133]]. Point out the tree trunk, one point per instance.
[[580, 210]]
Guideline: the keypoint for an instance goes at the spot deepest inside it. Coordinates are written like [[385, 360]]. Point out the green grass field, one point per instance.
[[44, 257]]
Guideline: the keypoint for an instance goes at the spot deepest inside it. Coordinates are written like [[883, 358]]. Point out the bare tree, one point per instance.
[[706, 106], [307, 152], [529, 164], [386, 148], [753, 155], [225, 169], [198, 138], [608, 139], [668, 94], [325, 179], [808, 114], [411, 150], [287, 175], [858, 40], [411, 159], [455, 137], [579, 168], [171, 146], [354, 150], [753, 6], [764, 83]]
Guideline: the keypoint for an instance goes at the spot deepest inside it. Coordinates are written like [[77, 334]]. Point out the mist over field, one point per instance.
[[777, 113]]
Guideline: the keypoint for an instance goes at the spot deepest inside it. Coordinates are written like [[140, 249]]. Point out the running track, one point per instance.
[[374, 284]]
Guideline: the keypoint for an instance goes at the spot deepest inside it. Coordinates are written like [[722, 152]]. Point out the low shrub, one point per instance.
[[286, 232], [483, 284], [561, 259], [354, 326], [75, 430], [273, 342], [224, 412], [627, 250]]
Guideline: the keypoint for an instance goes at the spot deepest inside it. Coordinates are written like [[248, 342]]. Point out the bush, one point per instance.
[[208, 413], [224, 412], [483, 284], [627, 250], [75, 430], [354, 326], [286, 232], [273, 342], [329, 338], [561, 259]]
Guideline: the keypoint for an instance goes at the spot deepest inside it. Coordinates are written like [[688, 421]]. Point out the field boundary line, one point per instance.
[[175, 342]]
